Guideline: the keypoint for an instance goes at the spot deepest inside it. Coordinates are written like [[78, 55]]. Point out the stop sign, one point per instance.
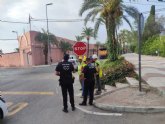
[[79, 48]]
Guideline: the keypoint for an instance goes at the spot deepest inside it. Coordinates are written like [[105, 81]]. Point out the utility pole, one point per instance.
[[49, 46], [140, 30]]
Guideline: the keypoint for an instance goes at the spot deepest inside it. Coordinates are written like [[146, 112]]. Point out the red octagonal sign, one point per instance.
[[79, 48]]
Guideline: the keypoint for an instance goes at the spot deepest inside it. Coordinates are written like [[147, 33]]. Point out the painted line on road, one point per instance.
[[16, 108], [99, 113], [28, 93]]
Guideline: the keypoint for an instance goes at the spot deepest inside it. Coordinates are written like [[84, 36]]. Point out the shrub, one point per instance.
[[116, 71], [153, 44]]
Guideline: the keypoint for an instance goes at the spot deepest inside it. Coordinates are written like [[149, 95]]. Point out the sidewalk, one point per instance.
[[153, 70], [129, 99]]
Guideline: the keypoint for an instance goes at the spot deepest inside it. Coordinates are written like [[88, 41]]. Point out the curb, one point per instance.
[[131, 109], [108, 92]]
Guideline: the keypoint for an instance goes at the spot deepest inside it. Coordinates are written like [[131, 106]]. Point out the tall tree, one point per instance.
[[128, 40], [1, 52], [87, 33], [16, 49], [97, 45], [65, 46], [152, 27], [43, 38], [109, 11], [79, 38]]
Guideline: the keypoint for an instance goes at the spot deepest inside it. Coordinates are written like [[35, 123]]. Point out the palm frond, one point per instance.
[[125, 18], [93, 13], [89, 4], [131, 11], [97, 25]]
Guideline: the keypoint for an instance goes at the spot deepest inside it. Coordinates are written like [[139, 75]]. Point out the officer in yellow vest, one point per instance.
[[99, 73], [80, 70]]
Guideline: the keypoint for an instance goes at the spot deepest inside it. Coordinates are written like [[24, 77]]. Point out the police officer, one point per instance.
[[98, 74], [64, 70], [89, 82]]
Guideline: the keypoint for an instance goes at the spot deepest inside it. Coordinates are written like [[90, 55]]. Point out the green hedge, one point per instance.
[[153, 44], [116, 71]]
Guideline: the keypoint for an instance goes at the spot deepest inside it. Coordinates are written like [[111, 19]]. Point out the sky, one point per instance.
[[19, 10]]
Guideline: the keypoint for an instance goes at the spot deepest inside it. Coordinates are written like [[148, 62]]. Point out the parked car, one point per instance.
[[75, 63], [72, 57], [3, 108]]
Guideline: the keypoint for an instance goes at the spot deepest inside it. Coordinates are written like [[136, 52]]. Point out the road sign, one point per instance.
[[79, 48]]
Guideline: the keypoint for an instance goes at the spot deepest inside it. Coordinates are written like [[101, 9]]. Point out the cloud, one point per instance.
[[18, 10]]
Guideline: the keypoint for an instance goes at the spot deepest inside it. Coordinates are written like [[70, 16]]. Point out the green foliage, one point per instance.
[[107, 12], [152, 26], [116, 71], [128, 39], [153, 44], [65, 46]]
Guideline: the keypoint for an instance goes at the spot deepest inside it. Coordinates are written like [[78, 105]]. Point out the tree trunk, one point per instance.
[[112, 44], [97, 50], [46, 53], [88, 48]]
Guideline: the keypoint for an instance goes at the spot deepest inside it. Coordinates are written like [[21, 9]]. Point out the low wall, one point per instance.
[[10, 60]]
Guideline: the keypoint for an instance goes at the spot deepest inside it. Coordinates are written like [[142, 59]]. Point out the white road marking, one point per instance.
[[99, 113]]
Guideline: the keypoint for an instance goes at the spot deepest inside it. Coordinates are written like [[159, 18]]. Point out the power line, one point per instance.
[[141, 3], [13, 22], [66, 20], [59, 20], [7, 39]]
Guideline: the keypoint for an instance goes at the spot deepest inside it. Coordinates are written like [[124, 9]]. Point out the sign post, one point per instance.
[[79, 48], [140, 31]]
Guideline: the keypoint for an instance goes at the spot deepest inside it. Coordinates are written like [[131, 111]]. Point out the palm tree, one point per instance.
[[65, 46], [16, 49], [87, 33], [97, 46], [1, 52], [108, 12], [79, 38], [43, 38]]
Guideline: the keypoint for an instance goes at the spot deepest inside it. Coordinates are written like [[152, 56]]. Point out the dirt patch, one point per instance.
[[132, 97]]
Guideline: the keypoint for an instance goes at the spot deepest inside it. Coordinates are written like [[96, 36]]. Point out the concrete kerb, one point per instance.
[[108, 92], [131, 109]]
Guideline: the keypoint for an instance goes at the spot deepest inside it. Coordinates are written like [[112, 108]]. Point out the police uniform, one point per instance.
[[65, 70], [89, 82]]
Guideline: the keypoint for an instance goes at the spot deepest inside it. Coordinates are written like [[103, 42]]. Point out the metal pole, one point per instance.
[[139, 48], [49, 47], [47, 33]]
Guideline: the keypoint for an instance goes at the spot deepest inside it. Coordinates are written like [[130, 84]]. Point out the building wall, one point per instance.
[[31, 52], [10, 60]]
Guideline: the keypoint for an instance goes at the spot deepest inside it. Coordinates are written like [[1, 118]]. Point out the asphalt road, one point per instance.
[[34, 97]]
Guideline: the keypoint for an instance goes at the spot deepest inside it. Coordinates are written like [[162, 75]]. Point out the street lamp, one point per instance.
[[49, 48], [17, 37]]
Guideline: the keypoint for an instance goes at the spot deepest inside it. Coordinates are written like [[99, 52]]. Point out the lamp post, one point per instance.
[[17, 37], [49, 48]]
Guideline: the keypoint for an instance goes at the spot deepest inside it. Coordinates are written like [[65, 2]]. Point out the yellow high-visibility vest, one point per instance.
[[99, 69], [80, 68]]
